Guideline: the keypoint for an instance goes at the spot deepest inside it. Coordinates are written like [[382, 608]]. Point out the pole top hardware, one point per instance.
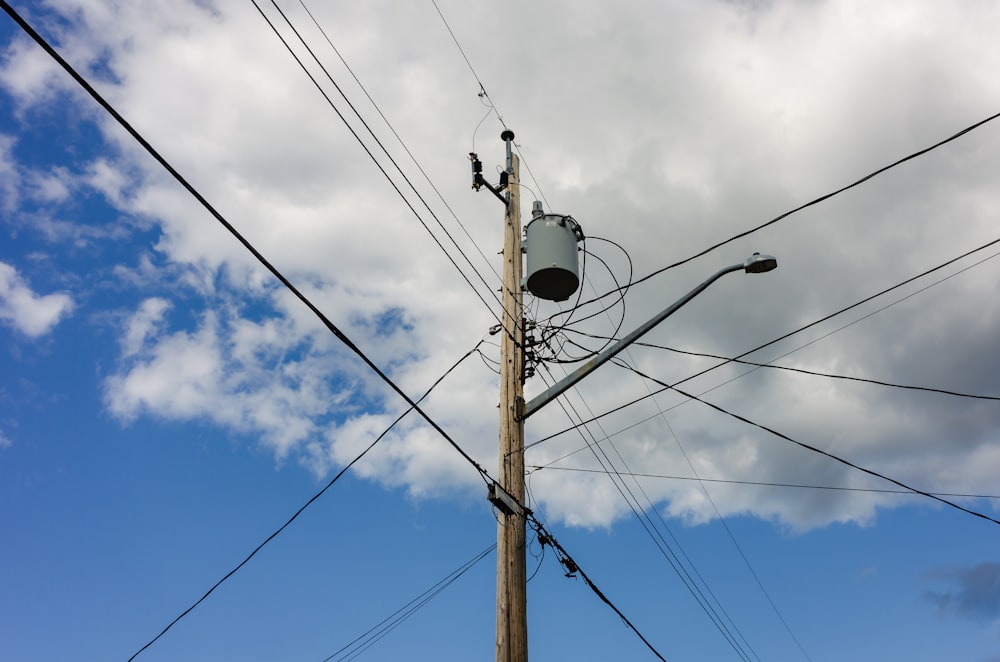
[[505, 501], [478, 181]]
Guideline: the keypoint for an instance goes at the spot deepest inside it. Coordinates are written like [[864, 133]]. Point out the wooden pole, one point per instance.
[[512, 619]]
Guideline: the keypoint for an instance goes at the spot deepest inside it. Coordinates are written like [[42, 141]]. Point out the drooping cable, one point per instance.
[[330, 326], [621, 290], [552, 331], [827, 375], [732, 538], [484, 94], [679, 561], [374, 634], [653, 532], [818, 200], [398, 137], [238, 236], [775, 340], [372, 155], [302, 509], [814, 449], [573, 568], [838, 488], [30, 31]]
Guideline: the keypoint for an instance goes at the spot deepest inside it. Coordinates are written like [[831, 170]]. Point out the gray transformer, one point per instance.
[[552, 271]]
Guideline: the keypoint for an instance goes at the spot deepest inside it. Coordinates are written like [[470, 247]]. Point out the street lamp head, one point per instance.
[[758, 264]]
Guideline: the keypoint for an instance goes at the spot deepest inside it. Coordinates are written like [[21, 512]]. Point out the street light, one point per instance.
[[755, 264]]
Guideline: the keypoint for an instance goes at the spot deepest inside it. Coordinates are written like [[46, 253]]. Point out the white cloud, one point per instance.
[[665, 127], [253, 377], [21, 308], [28, 73], [142, 324], [51, 187], [10, 179]]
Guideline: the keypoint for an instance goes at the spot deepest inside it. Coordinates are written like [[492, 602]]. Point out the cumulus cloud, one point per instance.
[[32, 314], [208, 374], [665, 128], [142, 324], [28, 74], [9, 177]]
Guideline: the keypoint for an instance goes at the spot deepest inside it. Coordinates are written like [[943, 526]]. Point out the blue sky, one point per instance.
[[165, 405]]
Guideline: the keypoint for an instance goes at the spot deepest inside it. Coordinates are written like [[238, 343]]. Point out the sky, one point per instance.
[[166, 404]]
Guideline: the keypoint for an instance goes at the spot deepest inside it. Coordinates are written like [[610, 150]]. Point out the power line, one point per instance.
[[814, 373], [818, 200], [398, 138], [30, 31], [770, 364], [701, 479], [817, 450], [826, 335], [330, 326], [572, 568], [774, 341], [657, 538], [372, 156], [369, 638], [484, 93], [732, 538], [253, 250], [679, 563], [303, 507]]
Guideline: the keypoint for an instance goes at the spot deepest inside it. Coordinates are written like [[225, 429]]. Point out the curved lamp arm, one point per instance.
[[755, 264]]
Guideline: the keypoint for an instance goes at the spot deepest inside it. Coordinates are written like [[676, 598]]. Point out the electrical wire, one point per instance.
[[680, 563], [557, 333], [818, 200], [302, 509], [374, 634], [483, 94], [757, 366], [371, 155], [827, 375], [330, 326], [665, 526], [399, 139], [30, 31], [253, 250], [732, 538], [722, 519], [622, 292], [516, 321], [774, 341], [665, 549], [534, 507], [808, 447], [573, 568], [840, 488]]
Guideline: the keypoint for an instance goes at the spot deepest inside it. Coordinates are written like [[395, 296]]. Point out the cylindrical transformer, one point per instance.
[[552, 271]]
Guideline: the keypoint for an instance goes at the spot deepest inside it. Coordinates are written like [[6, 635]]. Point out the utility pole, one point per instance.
[[552, 274], [512, 619]]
